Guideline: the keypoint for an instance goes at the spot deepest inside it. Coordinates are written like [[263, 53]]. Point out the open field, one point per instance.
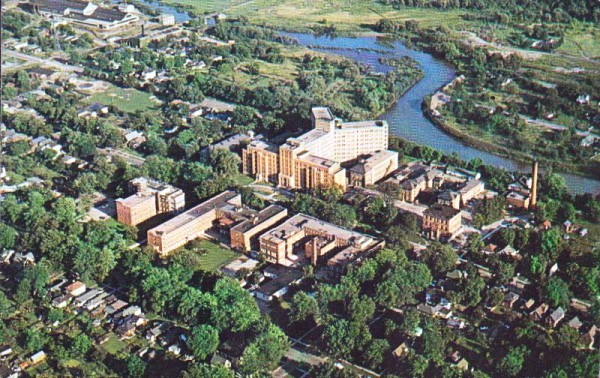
[[583, 41], [128, 100], [348, 16], [212, 256]]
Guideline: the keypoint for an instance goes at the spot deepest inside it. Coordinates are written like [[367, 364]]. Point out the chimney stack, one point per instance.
[[534, 184]]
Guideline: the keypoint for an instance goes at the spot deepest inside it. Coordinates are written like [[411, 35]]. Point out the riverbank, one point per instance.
[[591, 171]]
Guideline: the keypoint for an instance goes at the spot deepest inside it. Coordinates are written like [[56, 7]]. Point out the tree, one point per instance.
[[266, 351], [472, 290], [236, 310], [337, 338], [557, 291], [410, 322], [161, 168], [8, 236], [434, 344], [94, 263], [512, 363], [361, 309], [195, 305], [5, 305], [203, 341], [375, 352], [379, 212], [158, 288], [441, 257], [80, 345], [35, 340], [474, 243], [136, 367], [550, 240], [224, 162], [304, 307], [330, 370], [208, 371]]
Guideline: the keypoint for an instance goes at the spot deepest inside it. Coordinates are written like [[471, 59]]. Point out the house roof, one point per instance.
[[557, 314]]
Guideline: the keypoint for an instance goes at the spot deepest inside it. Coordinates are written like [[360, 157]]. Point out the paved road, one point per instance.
[[44, 61]]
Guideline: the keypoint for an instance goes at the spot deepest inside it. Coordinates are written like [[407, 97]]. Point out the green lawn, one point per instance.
[[211, 256], [114, 346], [127, 100], [242, 180]]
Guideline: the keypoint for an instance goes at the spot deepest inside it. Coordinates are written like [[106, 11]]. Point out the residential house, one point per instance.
[[546, 225], [589, 337], [555, 317], [92, 110], [528, 304], [217, 359], [575, 323], [156, 331], [83, 298], [134, 138], [510, 298], [61, 301], [37, 357], [401, 350], [539, 312]]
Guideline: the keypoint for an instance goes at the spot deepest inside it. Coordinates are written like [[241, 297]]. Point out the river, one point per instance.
[[406, 119]]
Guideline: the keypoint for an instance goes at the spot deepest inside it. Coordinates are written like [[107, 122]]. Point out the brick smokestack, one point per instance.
[[534, 183]]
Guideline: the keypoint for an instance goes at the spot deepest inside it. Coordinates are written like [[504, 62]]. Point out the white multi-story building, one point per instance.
[[315, 157]]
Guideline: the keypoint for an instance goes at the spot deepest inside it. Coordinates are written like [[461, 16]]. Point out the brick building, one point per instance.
[[150, 198], [441, 221], [305, 237], [244, 235], [315, 157], [373, 168], [191, 224]]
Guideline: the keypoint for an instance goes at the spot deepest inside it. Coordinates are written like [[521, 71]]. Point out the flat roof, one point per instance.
[[136, 199], [371, 161], [195, 212], [259, 218], [301, 221], [264, 145], [243, 262], [284, 278], [470, 184], [345, 256], [315, 160], [322, 112], [441, 212], [361, 124], [307, 137]]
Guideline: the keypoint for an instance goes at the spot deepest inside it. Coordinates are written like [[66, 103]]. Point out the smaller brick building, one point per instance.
[[441, 221], [150, 198]]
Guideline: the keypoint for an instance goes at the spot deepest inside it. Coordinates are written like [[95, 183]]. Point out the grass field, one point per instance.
[[347, 15], [583, 41], [114, 346], [127, 100], [212, 256]]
